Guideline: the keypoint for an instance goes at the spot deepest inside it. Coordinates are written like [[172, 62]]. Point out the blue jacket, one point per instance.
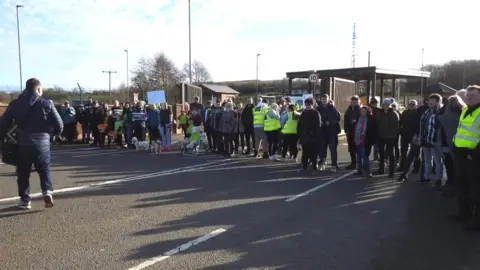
[[68, 115], [153, 119], [36, 130]]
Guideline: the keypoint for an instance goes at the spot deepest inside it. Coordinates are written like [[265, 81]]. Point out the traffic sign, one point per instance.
[[313, 78]]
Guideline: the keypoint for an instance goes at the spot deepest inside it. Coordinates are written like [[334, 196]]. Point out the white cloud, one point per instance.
[[69, 41]]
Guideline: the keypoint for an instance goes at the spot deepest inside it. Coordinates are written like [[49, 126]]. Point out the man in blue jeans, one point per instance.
[[330, 130], [36, 118]]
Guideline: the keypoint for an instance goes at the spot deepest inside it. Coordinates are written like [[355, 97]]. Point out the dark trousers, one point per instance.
[[352, 148], [69, 131], [240, 140], [85, 132], [309, 154], [40, 158], [272, 138], [413, 156], [104, 136], [290, 144], [467, 175], [139, 132], [210, 138], [249, 135], [154, 134], [228, 139], [219, 141], [386, 147], [329, 142], [95, 134], [450, 168]]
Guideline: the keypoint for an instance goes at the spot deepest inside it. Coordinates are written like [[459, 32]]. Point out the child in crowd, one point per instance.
[[183, 121], [365, 137]]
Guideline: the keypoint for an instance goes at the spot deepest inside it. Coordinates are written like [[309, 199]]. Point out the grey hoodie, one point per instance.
[[449, 123]]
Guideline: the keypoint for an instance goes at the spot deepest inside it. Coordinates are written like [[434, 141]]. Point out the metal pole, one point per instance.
[[257, 77], [189, 44], [127, 92], [19, 48], [421, 75], [368, 58], [109, 84]]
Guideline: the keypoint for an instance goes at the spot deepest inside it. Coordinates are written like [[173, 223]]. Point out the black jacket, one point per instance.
[[37, 122], [350, 115], [309, 126], [409, 123], [247, 116]]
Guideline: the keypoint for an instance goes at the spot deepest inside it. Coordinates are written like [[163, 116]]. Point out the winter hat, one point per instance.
[[387, 101]]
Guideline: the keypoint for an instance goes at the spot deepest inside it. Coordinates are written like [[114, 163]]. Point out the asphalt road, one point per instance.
[[122, 209]]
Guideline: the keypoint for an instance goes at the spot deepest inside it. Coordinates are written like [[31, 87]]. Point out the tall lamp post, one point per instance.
[[258, 55], [189, 44], [19, 48], [128, 85]]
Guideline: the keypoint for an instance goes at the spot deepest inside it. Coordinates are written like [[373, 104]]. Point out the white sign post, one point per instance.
[[313, 78]]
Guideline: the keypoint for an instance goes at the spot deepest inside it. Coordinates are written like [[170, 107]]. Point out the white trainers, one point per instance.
[[322, 167], [47, 198], [333, 169], [25, 205], [274, 158]]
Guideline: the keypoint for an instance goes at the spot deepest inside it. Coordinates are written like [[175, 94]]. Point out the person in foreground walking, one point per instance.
[[36, 118]]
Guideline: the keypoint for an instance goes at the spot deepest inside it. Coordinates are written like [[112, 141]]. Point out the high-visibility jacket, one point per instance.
[[468, 131], [290, 126], [271, 124], [259, 116]]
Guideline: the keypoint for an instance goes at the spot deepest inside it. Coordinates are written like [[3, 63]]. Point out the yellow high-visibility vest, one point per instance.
[[468, 131], [290, 126], [259, 116], [271, 124]]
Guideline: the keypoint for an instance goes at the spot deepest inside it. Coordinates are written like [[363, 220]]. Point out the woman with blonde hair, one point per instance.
[[448, 123], [165, 126]]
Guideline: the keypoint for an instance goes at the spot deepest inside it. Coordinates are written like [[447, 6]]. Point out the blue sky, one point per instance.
[[70, 41]]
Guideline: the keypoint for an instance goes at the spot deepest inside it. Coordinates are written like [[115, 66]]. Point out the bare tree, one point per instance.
[[200, 73]]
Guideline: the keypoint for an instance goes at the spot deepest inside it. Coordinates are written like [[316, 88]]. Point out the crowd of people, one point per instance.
[[439, 133], [106, 126]]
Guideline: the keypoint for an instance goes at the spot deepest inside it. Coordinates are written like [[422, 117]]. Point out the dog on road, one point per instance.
[[140, 145]]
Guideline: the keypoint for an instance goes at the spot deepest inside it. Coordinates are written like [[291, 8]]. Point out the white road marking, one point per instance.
[[133, 178], [123, 151], [320, 186], [178, 249]]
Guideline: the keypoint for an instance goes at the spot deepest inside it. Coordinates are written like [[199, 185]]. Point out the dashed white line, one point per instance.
[[178, 249], [319, 187], [134, 178]]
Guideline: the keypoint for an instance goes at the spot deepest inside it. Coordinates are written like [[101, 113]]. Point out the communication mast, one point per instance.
[[354, 39]]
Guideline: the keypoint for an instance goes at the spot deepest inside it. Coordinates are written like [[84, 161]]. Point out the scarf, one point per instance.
[[360, 130]]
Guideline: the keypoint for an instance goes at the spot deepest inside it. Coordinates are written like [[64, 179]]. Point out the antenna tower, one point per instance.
[[354, 40]]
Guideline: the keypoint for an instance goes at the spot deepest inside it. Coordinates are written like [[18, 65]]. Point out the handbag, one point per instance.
[[10, 146]]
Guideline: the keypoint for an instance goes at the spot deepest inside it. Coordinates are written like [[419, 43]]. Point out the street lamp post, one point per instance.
[[189, 44], [19, 48], [128, 85], [258, 55]]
